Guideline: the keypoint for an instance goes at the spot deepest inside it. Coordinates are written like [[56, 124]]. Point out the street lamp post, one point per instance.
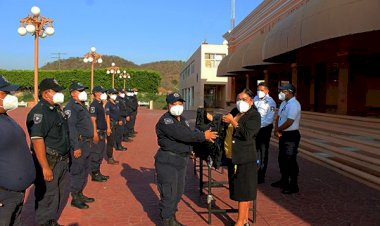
[[38, 26], [92, 57], [124, 75], [113, 70]]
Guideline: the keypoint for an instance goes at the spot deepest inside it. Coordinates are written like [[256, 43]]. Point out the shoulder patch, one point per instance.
[[37, 118], [68, 113], [272, 108], [92, 110], [168, 121]]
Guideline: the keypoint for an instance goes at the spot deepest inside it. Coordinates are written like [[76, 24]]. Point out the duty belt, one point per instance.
[[5, 189], [84, 138], [56, 154], [183, 154]]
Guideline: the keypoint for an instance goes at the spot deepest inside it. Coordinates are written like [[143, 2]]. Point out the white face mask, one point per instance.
[[82, 96], [242, 106], [130, 94], [122, 95], [103, 96], [260, 94], [176, 110], [58, 98], [135, 93], [113, 96], [10, 102], [281, 96]]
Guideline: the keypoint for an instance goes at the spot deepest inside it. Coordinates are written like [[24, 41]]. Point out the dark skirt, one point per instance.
[[243, 181]]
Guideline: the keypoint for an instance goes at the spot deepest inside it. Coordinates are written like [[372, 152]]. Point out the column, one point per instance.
[[343, 85]]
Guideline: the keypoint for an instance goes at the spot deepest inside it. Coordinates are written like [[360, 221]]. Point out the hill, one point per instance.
[[169, 70]]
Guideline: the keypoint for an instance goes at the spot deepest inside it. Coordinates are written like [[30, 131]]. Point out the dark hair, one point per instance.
[[248, 92], [262, 84]]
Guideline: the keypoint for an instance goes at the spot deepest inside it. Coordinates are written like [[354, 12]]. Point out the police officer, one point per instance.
[[48, 130], [266, 107], [98, 119], [16, 162], [287, 129], [135, 106], [131, 107], [123, 116], [174, 137], [81, 136], [113, 120]]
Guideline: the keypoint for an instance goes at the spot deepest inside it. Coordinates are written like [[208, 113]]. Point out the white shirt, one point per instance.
[[290, 109], [267, 108]]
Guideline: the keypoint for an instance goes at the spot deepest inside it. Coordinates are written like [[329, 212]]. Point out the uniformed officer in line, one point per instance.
[[113, 120], [123, 117], [130, 104], [135, 106], [287, 129], [17, 171], [98, 118], [81, 136], [48, 130], [174, 137], [266, 107]]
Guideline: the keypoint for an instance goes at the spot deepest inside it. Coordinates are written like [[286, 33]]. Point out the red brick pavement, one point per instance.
[[130, 196]]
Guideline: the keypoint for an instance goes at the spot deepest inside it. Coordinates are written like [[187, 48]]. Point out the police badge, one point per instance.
[[37, 118], [68, 113]]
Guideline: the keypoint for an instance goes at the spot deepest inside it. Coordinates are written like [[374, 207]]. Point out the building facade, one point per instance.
[[199, 85], [328, 49]]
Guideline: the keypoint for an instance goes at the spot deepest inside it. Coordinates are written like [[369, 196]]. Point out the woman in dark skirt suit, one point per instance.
[[239, 145]]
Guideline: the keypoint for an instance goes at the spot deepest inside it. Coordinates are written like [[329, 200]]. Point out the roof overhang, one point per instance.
[[321, 20], [223, 68]]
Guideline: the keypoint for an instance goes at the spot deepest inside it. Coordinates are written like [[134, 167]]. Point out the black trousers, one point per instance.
[[287, 156], [171, 171], [111, 142], [262, 146], [97, 152], [119, 134], [10, 212], [80, 167], [133, 120], [50, 195]]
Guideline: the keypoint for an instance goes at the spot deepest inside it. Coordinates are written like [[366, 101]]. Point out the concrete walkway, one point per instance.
[[130, 197]]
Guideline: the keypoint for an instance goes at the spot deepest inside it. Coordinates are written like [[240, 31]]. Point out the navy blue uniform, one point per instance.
[[17, 170], [135, 106], [120, 128], [113, 111], [97, 111], [174, 138], [81, 134], [49, 123], [129, 103]]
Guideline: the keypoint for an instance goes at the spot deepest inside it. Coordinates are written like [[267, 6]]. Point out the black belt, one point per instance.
[[84, 138], [100, 131], [183, 154], [290, 131], [56, 154]]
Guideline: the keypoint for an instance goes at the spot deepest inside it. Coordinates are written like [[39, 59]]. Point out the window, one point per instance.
[[212, 60]]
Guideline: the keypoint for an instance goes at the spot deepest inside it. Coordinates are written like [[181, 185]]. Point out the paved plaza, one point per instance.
[[130, 196]]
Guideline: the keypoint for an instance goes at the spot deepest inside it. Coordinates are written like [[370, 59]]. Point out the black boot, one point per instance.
[[86, 199], [292, 187], [104, 176], [96, 176], [77, 201], [284, 182]]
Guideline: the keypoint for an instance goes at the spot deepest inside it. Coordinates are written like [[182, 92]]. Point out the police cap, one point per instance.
[[98, 89], [5, 86], [77, 86], [289, 87], [49, 83], [174, 97], [112, 91]]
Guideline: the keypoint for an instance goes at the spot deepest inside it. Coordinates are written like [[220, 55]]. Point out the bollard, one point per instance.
[[151, 105]]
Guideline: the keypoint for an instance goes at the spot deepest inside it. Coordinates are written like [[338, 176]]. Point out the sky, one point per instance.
[[140, 31]]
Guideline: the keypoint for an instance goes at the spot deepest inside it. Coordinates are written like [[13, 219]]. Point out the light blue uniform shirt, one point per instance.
[[290, 109], [267, 108]]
